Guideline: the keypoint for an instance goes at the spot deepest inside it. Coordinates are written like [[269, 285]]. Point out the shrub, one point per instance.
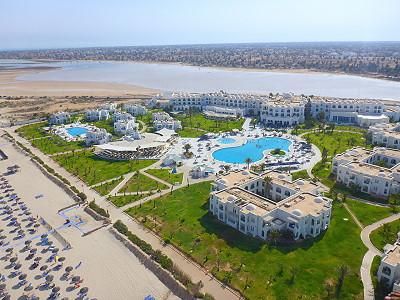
[[99, 210], [82, 196]]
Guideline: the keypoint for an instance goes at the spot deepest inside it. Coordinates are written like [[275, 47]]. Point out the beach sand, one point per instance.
[[109, 269], [11, 86]]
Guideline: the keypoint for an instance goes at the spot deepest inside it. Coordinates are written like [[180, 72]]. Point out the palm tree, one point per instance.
[[274, 235], [187, 147], [343, 271], [248, 161], [324, 155], [268, 182]]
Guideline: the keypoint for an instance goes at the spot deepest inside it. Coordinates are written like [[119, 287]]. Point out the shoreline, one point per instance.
[[230, 69], [11, 86]]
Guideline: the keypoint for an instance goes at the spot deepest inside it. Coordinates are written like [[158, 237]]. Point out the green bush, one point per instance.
[[164, 261], [99, 210]]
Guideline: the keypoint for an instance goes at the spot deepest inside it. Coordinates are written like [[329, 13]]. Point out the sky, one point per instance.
[[32, 24]]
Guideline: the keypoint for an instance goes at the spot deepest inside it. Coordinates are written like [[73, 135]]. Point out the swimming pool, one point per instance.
[[226, 140], [75, 131], [253, 149]]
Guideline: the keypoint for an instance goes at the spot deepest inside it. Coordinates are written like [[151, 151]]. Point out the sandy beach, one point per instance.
[[11, 86], [108, 268]]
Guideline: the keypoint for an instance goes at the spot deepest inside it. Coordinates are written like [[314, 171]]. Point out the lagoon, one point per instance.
[[176, 77]]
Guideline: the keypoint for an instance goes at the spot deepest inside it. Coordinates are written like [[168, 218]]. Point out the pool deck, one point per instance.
[[203, 150]]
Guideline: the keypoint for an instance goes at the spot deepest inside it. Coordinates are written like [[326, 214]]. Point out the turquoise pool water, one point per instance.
[[253, 149], [75, 131], [226, 140]]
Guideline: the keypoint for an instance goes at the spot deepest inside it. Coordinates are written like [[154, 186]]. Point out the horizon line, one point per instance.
[[191, 44]]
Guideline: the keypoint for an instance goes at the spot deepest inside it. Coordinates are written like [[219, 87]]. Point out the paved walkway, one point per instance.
[[365, 269], [211, 284]]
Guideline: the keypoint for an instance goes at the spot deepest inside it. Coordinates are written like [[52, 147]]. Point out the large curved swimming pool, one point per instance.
[[253, 149], [76, 131]]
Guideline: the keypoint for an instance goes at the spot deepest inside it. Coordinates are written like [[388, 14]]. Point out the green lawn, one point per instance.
[[386, 234], [300, 174], [200, 121], [368, 213], [141, 183], [93, 169], [55, 144], [183, 219], [120, 201], [190, 133], [107, 187], [33, 131], [166, 175], [108, 125], [335, 143]]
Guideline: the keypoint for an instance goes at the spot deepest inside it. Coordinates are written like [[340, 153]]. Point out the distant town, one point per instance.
[[375, 59]]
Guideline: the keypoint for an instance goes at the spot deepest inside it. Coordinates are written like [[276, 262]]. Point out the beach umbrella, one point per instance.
[[28, 242], [43, 236], [61, 259], [49, 278], [76, 278], [43, 268], [22, 277], [55, 289], [49, 243], [55, 250], [149, 297], [2, 286], [2, 237], [6, 297], [9, 250], [84, 290], [38, 258], [33, 250], [68, 269], [17, 266], [13, 259]]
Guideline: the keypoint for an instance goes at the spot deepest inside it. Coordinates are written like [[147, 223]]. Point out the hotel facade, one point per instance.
[[375, 172], [283, 110], [386, 135], [258, 204]]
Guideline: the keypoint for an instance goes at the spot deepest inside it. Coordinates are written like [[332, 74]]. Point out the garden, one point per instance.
[[327, 266]]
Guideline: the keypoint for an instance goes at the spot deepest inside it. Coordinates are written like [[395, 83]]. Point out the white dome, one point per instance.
[[318, 199], [300, 182], [250, 207], [297, 212], [232, 198], [245, 172]]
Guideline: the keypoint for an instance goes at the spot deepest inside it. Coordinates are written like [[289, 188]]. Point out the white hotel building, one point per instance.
[[386, 135], [125, 127], [283, 110], [97, 115], [135, 109], [59, 118], [163, 120], [358, 167], [244, 201], [97, 136], [389, 268]]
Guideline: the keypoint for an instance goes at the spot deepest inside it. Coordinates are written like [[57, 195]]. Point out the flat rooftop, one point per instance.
[[304, 204], [393, 256]]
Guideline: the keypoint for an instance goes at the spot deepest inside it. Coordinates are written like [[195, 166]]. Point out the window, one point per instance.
[[387, 271]]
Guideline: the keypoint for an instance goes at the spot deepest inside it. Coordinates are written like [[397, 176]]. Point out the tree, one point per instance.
[[187, 148], [294, 270], [248, 161], [343, 271], [324, 155], [274, 235], [268, 183], [321, 117]]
